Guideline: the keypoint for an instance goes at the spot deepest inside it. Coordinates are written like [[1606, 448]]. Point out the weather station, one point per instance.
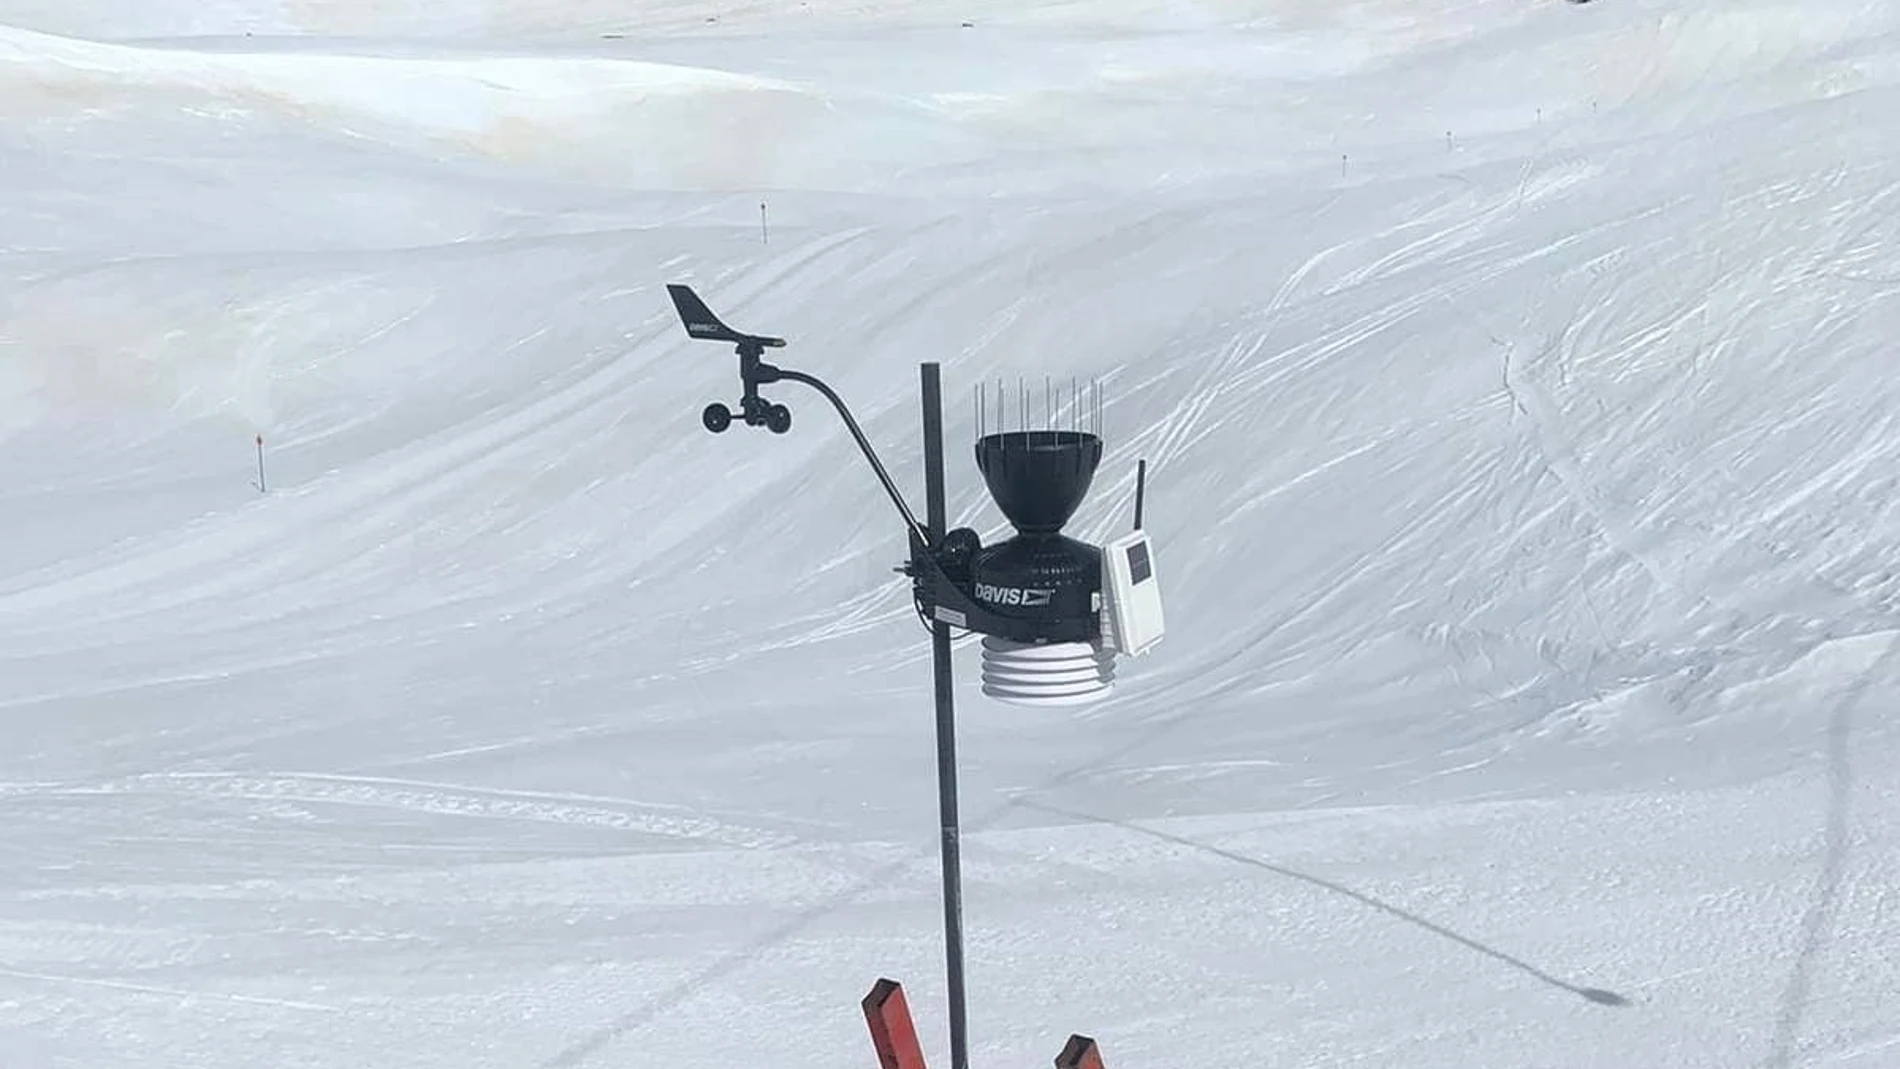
[[1054, 612]]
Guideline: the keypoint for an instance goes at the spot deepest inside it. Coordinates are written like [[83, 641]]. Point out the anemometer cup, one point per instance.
[[756, 412]]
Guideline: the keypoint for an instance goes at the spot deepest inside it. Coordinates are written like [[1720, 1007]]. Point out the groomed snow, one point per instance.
[[1517, 387]]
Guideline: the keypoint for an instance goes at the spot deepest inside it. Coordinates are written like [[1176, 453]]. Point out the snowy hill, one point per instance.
[[1517, 387]]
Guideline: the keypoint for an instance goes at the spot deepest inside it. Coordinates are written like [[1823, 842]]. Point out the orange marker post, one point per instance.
[[1080, 1053], [893, 1032]]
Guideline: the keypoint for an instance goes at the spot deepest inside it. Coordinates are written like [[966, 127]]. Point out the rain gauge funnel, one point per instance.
[[1041, 577], [1038, 478]]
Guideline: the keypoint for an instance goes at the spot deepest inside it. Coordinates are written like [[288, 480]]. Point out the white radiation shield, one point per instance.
[[1053, 673]]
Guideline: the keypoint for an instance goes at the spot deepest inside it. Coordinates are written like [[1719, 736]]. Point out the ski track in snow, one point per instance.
[[440, 799]]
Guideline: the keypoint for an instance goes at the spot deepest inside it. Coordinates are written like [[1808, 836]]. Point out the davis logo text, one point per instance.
[[1013, 595]]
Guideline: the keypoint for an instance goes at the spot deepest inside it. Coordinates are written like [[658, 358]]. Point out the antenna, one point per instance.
[[1141, 484]]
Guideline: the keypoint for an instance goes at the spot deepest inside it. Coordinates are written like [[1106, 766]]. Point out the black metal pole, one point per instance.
[[936, 520]]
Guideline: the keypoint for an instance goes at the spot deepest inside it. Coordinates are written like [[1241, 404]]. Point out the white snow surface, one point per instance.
[[1517, 382]]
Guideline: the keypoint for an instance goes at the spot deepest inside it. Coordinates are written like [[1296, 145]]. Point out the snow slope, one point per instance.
[[1516, 387]]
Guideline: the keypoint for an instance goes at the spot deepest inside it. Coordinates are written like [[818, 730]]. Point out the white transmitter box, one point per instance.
[[1132, 594]]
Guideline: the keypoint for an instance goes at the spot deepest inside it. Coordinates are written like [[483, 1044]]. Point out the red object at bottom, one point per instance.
[[893, 1032], [1080, 1053]]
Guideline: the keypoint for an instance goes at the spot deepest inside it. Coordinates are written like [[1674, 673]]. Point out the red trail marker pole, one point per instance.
[[893, 1032], [1080, 1053]]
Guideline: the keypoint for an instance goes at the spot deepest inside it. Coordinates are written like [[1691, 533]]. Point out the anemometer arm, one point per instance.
[[754, 372], [851, 424]]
